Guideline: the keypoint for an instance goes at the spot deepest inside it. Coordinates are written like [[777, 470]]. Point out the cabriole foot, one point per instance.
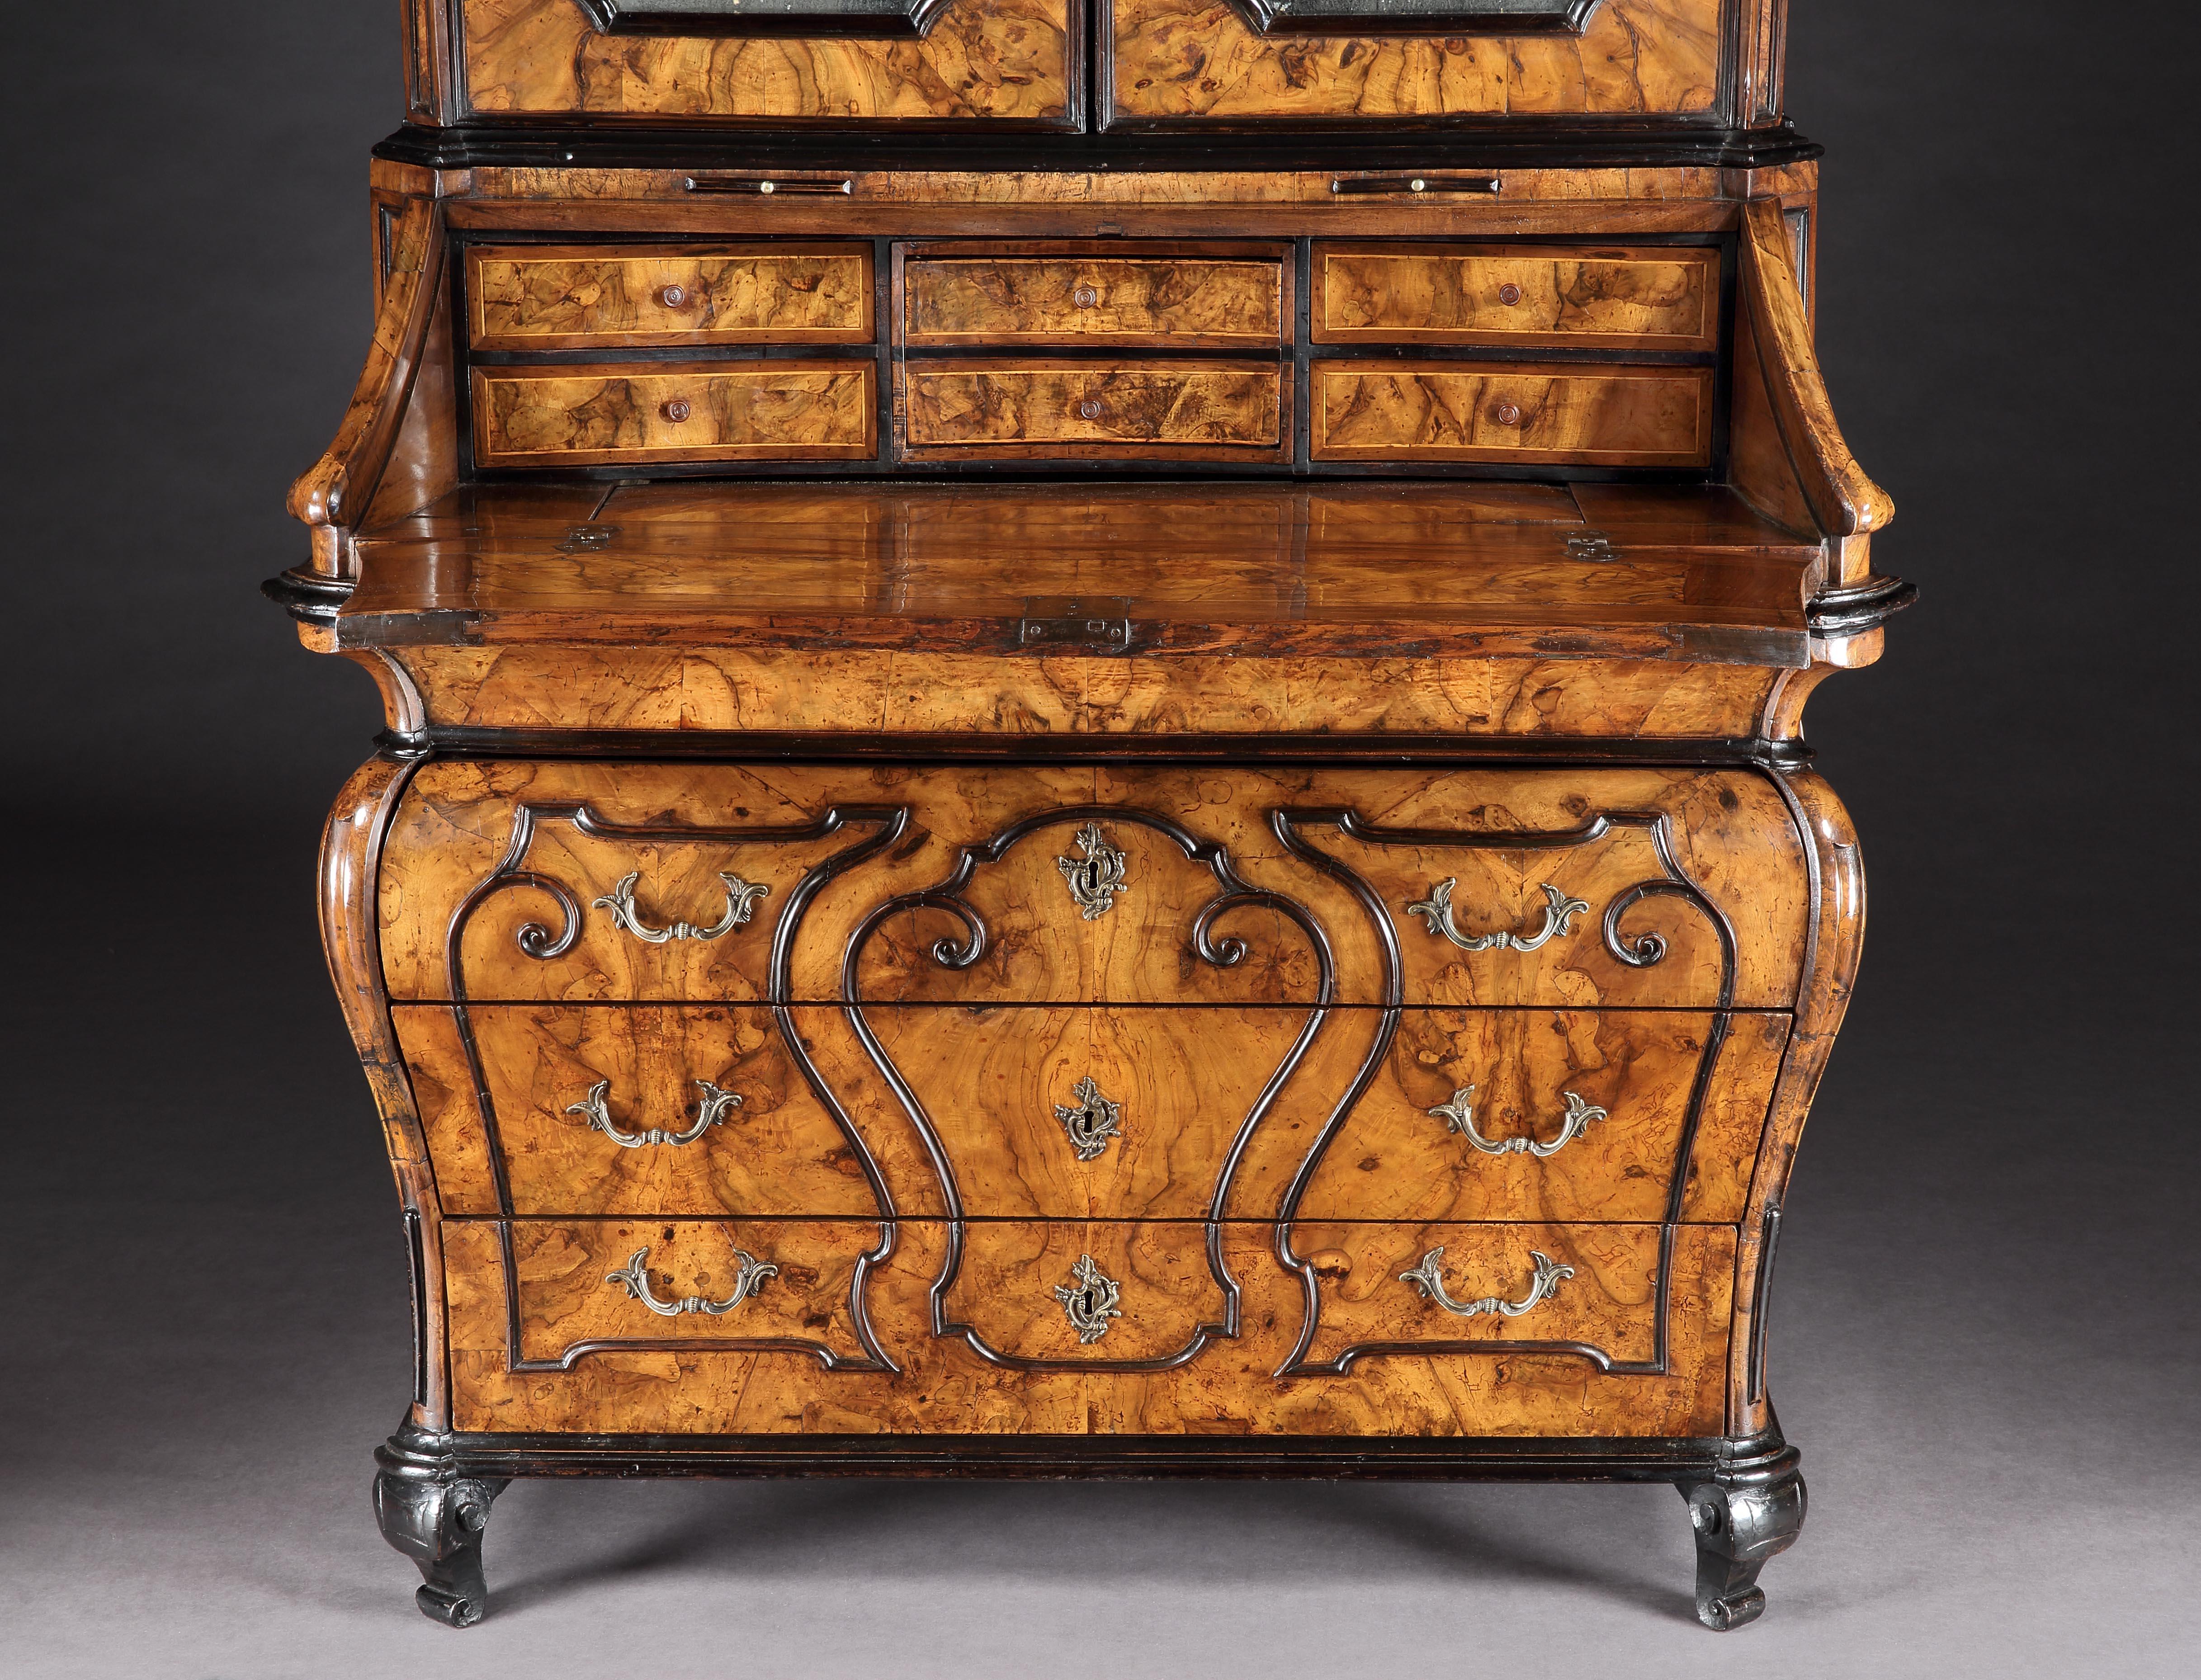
[[436, 1517], [1740, 1526]]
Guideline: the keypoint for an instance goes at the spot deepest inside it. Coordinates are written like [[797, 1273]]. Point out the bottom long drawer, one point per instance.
[[846, 1326]]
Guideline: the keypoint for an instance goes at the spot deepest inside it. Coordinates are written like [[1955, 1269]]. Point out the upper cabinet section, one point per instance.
[[808, 62], [1084, 65]]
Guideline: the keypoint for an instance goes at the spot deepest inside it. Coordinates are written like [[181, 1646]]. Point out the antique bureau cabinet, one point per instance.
[[1094, 762]]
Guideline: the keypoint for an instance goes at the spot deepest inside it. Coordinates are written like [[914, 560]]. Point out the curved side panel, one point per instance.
[[350, 865], [1830, 966]]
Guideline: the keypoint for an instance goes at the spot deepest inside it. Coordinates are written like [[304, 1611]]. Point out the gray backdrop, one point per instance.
[[1984, 1339]]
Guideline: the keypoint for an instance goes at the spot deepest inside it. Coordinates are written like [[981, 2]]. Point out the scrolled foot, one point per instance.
[[1739, 1527], [436, 1517]]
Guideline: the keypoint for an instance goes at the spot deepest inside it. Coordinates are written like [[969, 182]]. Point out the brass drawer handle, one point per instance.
[[1429, 1278], [741, 899], [1458, 1115], [1435, 911], [1088, 1300], [1096, 879], [1092, 1122], [635, 1277], [595, 1110]]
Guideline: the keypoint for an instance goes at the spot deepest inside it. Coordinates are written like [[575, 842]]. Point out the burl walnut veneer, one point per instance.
[[1094, 759]]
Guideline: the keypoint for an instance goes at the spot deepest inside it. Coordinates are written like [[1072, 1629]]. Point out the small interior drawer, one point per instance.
[[557, 297], [1017, 408], [565, 416], [1413, 411], [1647, 298], [1190, 301]]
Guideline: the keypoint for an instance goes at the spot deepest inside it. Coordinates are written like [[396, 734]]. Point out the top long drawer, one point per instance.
[[554, 298], [1188, 301], [507, 882]]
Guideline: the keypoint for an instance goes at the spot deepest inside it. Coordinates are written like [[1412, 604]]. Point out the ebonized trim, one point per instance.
[[1861, 607]]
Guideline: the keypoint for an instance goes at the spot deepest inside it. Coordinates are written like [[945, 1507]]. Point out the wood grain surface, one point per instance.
[[1395, 1160], [1730, 833], [656, 412], [1184, 1083], [1181, 59], [552, 297], [778, 1152], [1010, 61], [1004, 1290], [1644, 297], [1441, 411], [1229, 1388], [997, 406], [1190, 301]]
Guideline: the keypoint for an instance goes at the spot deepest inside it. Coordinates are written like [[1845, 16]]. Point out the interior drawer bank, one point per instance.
[[642, 412], [573, 297], [507, 881]]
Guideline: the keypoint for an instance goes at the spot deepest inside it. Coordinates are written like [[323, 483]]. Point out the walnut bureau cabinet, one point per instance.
[[1094, 760]]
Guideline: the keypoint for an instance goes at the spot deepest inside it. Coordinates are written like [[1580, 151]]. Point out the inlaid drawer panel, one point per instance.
[[1554, 1115], [1196, 303], [1012, 409], [1127, 1114], [1649, 299], [625, 1110], [766, 1285], [1454, 411], [557, 297], [1436, 1289], [1026, 1293], [642, 412]]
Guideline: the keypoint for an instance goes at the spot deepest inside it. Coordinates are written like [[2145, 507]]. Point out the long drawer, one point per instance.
[[1565, 889], [842, 1327], [646, 411]]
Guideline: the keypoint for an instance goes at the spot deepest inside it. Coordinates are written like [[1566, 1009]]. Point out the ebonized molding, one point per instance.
[[899, 20]]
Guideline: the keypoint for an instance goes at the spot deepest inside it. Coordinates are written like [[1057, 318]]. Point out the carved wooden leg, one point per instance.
[[436, 1517], [1738, 1527]]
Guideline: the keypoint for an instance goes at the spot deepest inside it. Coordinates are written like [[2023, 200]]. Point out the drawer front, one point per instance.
[[1554, 1115], [1448, 411], [561, 297], [656, 412], [615, 1111], [1552, 889], [1438, 1289], [1641, 299], [1006, 409], [1190, 301], [1090, 1113], [756, 1284]]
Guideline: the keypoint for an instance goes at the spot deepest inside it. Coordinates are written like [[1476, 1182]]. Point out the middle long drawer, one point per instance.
[[1084, 1113]]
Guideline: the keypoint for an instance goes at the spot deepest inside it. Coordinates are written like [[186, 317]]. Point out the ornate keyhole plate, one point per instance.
[[1088, 1300], [1092, 1122], [1096, 876]]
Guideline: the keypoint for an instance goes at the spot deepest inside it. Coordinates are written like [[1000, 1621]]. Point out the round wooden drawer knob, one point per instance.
[[1088, 409], [672, 297], [676, 410], [1509, 294], [1085, 297], [1506, 413]]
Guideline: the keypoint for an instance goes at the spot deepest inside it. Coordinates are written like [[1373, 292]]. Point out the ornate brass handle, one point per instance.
[[1458, 1115], [741, 899], [1096, 877], [1435, 911], [1429, 1278], [635, 1277], [716, 1106], [1092, 1122], [1088, 1300]]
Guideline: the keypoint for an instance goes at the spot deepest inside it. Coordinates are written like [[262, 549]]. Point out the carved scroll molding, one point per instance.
[[1638, 950], [1233, 894], [545, 944]]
